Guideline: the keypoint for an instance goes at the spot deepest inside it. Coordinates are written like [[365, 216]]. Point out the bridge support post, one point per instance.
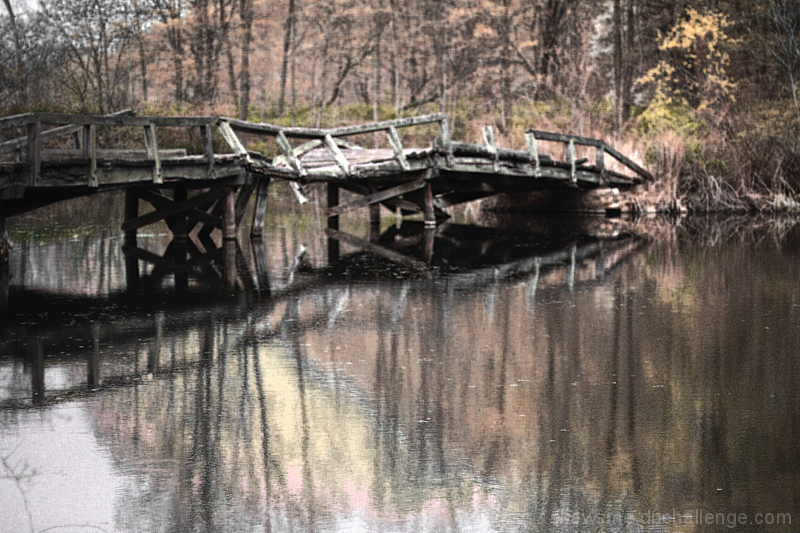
[[229, 216], [131, 212], [333, 223], [4, 245], [374, 221], [430, 238], [229, 263], [178, 223], [4, 279], [260, 209], [430, 210]]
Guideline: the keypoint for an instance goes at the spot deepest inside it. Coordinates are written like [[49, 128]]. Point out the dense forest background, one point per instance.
[[704, 91]]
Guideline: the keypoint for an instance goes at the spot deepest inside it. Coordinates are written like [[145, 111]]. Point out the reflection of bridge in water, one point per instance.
[[46, 329], [209, 190], [265, 372]]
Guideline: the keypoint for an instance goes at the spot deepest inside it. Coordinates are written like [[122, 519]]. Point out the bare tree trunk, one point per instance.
[[176, 40], [322, 81], [293, 91], [20, 64], [395, 79], [376, 99], [244, 87], [617, 65], [140, 43], [628, 62], [505, 65], [225, 20], [312, 90], [287, 47]]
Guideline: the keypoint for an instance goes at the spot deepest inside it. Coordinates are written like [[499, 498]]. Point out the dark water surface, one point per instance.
[[554, 376]]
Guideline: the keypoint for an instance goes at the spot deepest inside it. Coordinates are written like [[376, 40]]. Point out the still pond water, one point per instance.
[[548, 375]]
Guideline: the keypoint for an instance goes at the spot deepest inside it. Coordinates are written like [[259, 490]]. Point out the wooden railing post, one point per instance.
[[397, 147], [288, 152], [338, 156], [207, 136], [446, 140], [229, 216], [34, 151], [151, 143], [90, 152], [491, 145], [601, 163], [533, 152], [571, 160]]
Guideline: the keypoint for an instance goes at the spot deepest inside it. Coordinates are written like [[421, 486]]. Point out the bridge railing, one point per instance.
[[83, 129], [331, 139], [570, 142]]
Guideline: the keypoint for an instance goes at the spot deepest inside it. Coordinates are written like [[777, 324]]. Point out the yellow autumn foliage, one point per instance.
[[694, 69]]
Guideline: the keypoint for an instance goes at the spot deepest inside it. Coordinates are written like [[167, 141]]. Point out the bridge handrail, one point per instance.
[[331, 138], [602, 149], [117, 119], [62, 131], [84, 128], [320, 133]]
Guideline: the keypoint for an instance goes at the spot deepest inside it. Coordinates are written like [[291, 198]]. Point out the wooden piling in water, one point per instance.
[[229, 216], [333, 222]]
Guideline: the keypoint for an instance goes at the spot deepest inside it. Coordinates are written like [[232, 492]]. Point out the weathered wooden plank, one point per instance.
[[347, 144], [151, 142], [392, 203], [430, 209], [260, 209], [232, 139], [377, 197], [34, 153], [491, 144], [485, 172], [628, 162], [207, 138], [52, 133], [49, 154], [459, 197], [245, 192], [378, 126], [176, 209], [338, 156], [571, 160], [562, 138], [102, 120], [160, 201], [298, 152], [288, 152], [313, 133], [446, 140], [397, 146], [600, 162], [375, 249], [228, 202]]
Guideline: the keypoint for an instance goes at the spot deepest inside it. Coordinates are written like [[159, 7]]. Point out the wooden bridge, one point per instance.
[[55, 157]]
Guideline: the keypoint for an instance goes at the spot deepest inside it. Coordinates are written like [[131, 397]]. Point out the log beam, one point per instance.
[[178, 208], [376, 198], [260, 210]]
